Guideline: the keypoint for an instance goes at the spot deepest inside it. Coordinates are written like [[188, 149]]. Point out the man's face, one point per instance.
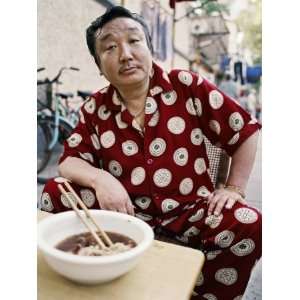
[[122, 51]]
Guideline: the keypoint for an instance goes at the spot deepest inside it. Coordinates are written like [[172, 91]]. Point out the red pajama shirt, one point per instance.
[[165, 170]]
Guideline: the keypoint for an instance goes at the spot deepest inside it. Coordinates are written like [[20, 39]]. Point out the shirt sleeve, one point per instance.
[[83, 141], [223, 121]]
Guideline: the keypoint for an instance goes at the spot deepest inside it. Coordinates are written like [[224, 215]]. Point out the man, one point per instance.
[[139, 149]]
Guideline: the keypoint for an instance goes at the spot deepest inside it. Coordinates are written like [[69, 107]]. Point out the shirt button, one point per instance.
[[156, 196], [150, 161]]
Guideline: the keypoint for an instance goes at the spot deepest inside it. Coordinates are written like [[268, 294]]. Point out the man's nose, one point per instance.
[[126, 53]]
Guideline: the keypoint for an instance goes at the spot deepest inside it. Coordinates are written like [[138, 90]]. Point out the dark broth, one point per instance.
[[75, 242]]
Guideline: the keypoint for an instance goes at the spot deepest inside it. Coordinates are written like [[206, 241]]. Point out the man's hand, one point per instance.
[[222, 197], [111, 194]]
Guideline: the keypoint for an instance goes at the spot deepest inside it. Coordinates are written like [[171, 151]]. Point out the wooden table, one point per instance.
[[166, 272]]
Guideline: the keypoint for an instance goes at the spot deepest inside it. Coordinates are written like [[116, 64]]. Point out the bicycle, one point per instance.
[[53, 127]]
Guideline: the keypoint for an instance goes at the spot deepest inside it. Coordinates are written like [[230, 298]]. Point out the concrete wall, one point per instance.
[[61, 40]]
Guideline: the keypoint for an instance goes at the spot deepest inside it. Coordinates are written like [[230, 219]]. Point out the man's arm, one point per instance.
[[242, 162], [110, 193], [240, 170]]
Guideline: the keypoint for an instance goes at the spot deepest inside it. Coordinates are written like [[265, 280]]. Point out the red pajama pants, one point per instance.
[[231, 242]]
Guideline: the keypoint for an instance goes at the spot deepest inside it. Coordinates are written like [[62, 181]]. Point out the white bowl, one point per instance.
[[92, 269]]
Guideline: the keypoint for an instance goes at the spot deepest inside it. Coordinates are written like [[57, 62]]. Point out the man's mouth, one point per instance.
[[128, 70]]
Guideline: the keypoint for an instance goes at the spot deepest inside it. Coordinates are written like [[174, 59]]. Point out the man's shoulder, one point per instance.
[[182, 76], [99, 95]]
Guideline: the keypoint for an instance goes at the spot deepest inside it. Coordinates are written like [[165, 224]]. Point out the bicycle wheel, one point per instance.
[[65, 130], [43, 140]]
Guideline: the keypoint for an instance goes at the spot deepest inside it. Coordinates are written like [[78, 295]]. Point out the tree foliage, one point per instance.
[[249, 22]]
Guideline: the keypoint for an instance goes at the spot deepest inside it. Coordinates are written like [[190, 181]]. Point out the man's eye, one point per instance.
[[111, 47], [132, 41]]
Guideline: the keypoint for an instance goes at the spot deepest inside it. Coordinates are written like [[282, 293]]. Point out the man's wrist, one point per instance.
[[236, 189], [96, 178]]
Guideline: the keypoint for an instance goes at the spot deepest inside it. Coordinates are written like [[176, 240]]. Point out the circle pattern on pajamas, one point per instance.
[[87, 197], [190, 107], [120, 123], [197, 216], [226, 276], [213, 254], [46, 202], [138, 175], [203, 191], [154, 119], [162, 177], [157, 147], [143, 202], [200, 80], [192, 231], [185, 78], [243, 248], [143, 217], [104, 90], [236, 121], [200, 166], [198, 107], [168, 221], [213, 221], [103, 112], [196, 136], [216, 99], [245, 215], [65, 201], [181, 156], [224, 238], [107, 139], [210, 296], [115, 98], [150, 106], [87, 156], [214, 125], [176, 125], [234, 139], [186, 186], [74, 140], [95, 141], [115, 168], [169, 98], [156, 90], [81, 117], [130, 148], [90, 105], [168, 205]]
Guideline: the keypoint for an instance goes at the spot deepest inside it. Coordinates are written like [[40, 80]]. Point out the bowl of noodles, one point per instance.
[[70, 249]]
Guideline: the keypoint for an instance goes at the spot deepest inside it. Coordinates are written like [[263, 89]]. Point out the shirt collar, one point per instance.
[[159, 83]]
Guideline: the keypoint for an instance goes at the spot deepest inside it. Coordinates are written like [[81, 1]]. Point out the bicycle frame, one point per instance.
[[58, 118]]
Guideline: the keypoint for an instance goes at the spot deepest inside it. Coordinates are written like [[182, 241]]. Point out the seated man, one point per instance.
[[138, 149]]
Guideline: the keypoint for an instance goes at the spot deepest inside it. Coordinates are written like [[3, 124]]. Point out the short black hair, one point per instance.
[[110, 14]]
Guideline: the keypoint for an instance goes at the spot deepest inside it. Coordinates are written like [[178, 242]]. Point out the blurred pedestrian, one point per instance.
[[228, 86]]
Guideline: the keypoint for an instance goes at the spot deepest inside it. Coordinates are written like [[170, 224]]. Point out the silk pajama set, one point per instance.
[[165, 170]]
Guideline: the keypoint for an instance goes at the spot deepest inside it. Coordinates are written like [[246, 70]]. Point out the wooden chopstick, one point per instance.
[[88, 214], [94, 234]]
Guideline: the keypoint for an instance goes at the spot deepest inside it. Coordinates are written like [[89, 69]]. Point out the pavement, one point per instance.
[[254, 198]]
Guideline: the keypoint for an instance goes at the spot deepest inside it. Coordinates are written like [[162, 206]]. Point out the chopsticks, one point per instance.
[[87, 214]]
